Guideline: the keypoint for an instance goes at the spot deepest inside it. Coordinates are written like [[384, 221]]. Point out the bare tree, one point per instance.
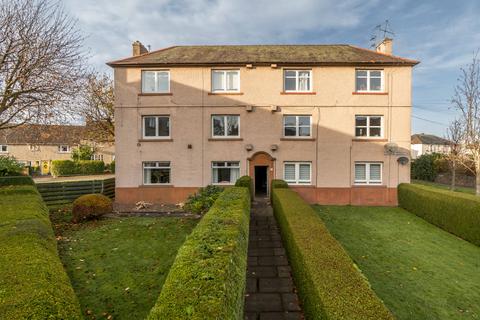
[[41, 61], [97, 107], [454, 156], [467, 100]]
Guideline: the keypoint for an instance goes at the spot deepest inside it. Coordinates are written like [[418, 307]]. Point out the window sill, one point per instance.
[[369, 140], [155, 94], [225, 139], [301, 185], [156, 140], [368, 185], [297, 139], [299, 92], [225, 93], [370, 93], [159, 185]]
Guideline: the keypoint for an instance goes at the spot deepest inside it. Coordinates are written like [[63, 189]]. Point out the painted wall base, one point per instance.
[[359, 196]]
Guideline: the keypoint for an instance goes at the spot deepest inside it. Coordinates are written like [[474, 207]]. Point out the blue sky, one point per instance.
[[442, 34]]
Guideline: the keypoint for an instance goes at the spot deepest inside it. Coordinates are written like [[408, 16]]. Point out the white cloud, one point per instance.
[[113, 26]]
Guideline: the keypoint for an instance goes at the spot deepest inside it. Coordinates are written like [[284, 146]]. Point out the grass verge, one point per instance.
[[419, 270], [444, 186], [118, 265]]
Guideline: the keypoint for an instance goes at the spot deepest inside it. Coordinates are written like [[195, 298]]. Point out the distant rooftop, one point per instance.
[[422, 138], [335, 54]]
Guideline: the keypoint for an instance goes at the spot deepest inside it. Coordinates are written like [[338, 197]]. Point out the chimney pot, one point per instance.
[[385, 47], [138, 48]]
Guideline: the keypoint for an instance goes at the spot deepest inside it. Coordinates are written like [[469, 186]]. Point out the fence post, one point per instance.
[[101, 191]]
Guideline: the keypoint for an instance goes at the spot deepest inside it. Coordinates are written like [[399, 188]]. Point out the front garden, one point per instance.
[[417, 269], [117, 266]]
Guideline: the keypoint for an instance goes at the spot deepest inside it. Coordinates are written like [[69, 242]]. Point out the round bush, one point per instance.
[[91, 206]]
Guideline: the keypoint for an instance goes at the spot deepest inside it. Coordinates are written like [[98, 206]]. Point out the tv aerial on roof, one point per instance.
[[380, 32]]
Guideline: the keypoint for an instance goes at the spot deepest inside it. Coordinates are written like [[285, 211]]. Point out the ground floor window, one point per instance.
[[3, 148], [98, 157], [368, 173], [297, 172], [226, 172], [156, 172]]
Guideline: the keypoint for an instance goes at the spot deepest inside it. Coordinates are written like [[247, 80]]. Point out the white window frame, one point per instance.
[[224, 84], [225, 136], [368, 136], [3, 146], [368, 77], [297, 126], [367, 180], [297, 180], [297, 80], [157, 166], [224, 167], [156, 81], [156, 136], [60, 147], [97, 157]]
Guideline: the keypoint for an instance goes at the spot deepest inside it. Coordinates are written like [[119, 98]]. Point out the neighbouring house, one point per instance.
[[331, 120], [37, 145], [428, 143]]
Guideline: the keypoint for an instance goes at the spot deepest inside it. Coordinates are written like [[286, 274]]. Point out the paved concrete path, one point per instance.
[[271, 293]]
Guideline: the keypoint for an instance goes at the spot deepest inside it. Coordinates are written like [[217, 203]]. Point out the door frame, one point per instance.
[[262, 158]]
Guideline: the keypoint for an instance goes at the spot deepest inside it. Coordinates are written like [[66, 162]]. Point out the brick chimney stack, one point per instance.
[[385, 47], [138, 48]]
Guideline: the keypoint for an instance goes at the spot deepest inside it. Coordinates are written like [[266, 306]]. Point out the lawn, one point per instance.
[[419, 270], [444, 186], [117, 266]]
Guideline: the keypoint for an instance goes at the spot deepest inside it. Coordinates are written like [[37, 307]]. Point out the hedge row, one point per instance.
[[69, 167], [329, 284], [33, 283], [246, 182], [455, 212], [16, 181], [207, 279]]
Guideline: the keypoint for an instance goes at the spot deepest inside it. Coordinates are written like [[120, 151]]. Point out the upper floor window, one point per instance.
[[156, 172], [225, 126], [369, 80], [155, 81], [3, 148], [156, 127], [297, 81], [225, 80], [369, 126], [297, 126], [225, 172], [368, 173], [297, 172], [63, 148]]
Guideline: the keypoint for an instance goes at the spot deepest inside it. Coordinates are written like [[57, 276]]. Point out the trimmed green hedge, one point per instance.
[[69, 167], [207, 279], [455, 212], [33, 283], [279, 184], [330, 286], [16, 181], [246, 182]]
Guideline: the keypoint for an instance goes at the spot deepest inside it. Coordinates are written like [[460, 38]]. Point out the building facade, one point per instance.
[[331, 120], [427, 144], [37, 146]]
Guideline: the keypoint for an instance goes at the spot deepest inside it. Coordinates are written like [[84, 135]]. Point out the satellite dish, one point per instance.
[[403, 160]]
